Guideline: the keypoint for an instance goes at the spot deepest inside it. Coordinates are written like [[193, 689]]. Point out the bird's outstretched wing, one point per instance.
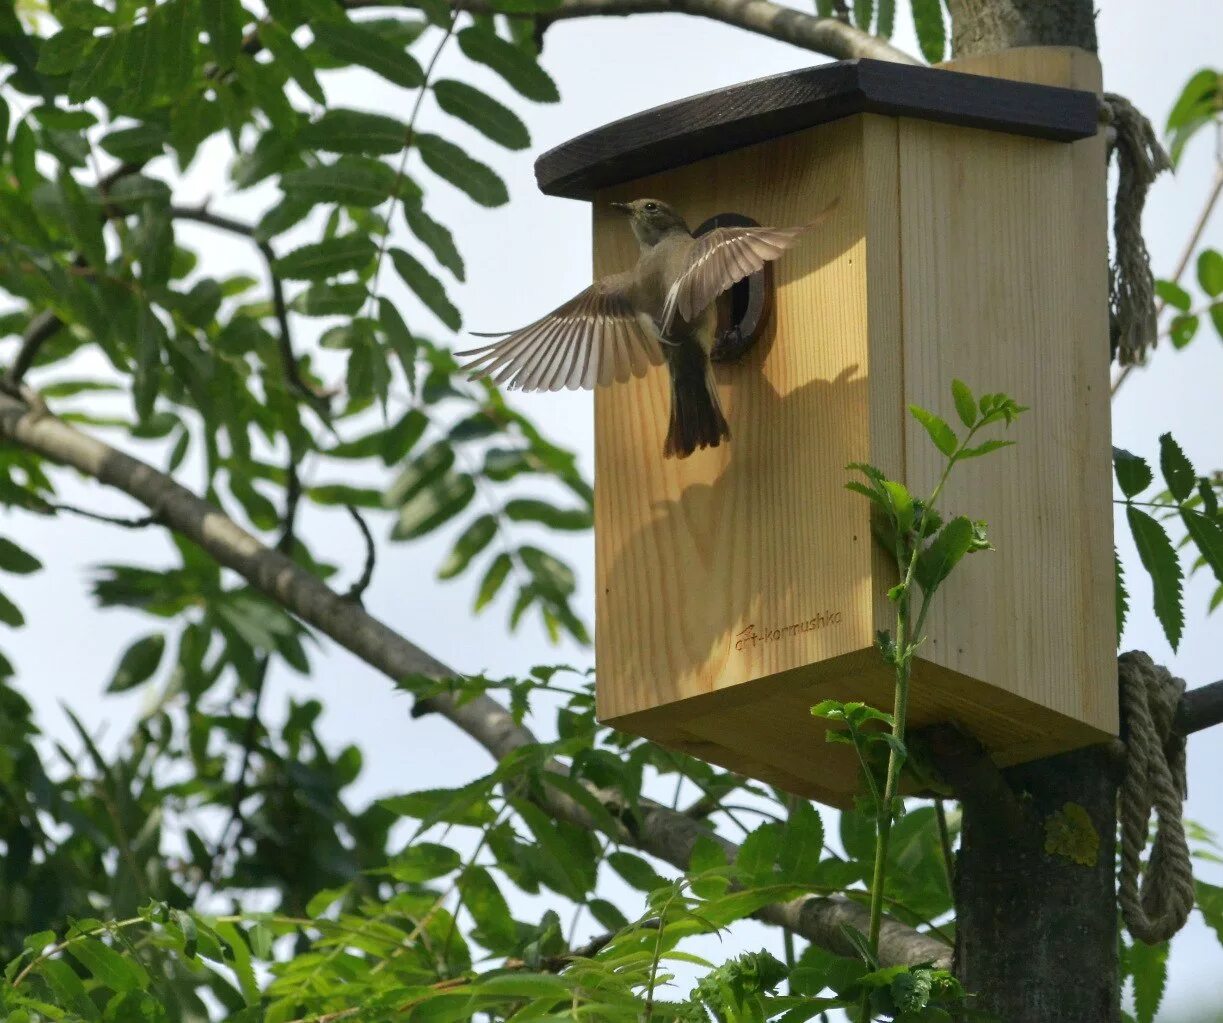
[[594, 338], [722, 258]]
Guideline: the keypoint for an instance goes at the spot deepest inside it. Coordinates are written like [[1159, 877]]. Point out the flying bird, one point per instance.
[[659, 312]]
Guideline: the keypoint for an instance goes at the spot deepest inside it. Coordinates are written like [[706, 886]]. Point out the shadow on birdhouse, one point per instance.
[[740, 586]]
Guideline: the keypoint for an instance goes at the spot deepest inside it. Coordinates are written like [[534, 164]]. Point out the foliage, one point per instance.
[[925, 550], [214, 864], [1190, 500]]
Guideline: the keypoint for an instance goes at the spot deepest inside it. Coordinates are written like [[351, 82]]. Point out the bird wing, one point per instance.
[[722, 258], [594, 338]]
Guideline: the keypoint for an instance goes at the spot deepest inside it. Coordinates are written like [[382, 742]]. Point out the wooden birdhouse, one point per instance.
[[740, 586]]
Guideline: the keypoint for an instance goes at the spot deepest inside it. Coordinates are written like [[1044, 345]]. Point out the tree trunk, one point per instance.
[[1037, 929], [984, 26]]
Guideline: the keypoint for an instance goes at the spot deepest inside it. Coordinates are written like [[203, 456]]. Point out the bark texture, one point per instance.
[[1036, 917], [983, 26]]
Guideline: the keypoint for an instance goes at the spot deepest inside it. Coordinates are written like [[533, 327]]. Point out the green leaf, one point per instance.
[[1209, 900], [950, 544], [399, 338], [1149, 969], [356, 132], [1133, 473], [433, 506], [965, 403], [931, 32], [436, 237], [471, 542], [495, 928], [1210, 272], [479, 181], [518, 68], [943, 436], [900, 503], [291, 58], [68, 989], [1182, 330], [223, 21], [886, 21], [351, 181], [427, 288], [493, 580], [423, 861], [354, 44], [108, 967], [529, 510], [1207, 534], [424, 469], [984, 448], [864, 13], [802, 845], [1177, 469], [1121, 595], [636, 871], [327, 258], [138, 663], [17, 560], [1164, 567], [1196, 107], [1174, 295], [137, 144], [100, 67], [489, 117], [1216, 317], [330, 300], [63, 52], [550, 575]]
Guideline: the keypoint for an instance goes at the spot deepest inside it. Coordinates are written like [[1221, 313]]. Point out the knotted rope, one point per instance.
[[1157, 906], [1131, 285]]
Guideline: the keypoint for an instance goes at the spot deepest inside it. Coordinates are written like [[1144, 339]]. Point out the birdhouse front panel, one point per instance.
[[739, 586]]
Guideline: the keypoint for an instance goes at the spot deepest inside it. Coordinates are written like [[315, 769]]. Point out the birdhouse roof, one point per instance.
[[712, 123]]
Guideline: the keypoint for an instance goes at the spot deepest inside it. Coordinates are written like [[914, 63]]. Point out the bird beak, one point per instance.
[[622, 207]]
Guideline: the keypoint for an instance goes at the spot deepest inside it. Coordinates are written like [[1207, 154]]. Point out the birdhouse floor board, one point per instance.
[[764, 728]]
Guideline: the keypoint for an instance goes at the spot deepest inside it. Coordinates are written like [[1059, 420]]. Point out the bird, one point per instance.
[[660, 312]]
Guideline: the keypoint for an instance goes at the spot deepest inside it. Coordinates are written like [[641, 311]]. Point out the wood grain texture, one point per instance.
[[714, 123], [1007, 241], [739, 587]]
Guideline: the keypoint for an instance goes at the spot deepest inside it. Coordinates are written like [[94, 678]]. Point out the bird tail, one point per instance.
[[696, 414]]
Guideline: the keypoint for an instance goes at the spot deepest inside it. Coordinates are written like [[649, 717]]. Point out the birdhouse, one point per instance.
[[740, 586]]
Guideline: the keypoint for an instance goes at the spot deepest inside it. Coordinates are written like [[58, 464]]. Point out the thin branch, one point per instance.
[[655, 829], [829, 36], [38, 332], [142, 522], [357, 590]]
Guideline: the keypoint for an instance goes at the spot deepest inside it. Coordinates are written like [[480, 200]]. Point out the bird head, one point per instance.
[[652, 219]]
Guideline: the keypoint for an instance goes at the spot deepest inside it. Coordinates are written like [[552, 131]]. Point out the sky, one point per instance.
[[527, 257]]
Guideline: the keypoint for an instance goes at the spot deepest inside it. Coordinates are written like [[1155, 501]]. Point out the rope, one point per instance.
[[1157, 906], [1131, 286]]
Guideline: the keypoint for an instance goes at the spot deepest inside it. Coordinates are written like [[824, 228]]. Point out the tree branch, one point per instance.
[[1199, 709], [829, 36], [658, 830]]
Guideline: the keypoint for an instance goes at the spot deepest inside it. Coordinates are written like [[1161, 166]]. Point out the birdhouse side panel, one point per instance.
[[748, 560], [995, 279]]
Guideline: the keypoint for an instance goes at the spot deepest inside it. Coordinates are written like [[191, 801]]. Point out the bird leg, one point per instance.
[[730, 345]]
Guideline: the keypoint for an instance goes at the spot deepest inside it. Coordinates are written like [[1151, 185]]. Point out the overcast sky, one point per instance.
[[524, 259]]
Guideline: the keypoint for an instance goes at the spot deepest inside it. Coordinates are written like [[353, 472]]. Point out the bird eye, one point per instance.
[[650, 207]]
